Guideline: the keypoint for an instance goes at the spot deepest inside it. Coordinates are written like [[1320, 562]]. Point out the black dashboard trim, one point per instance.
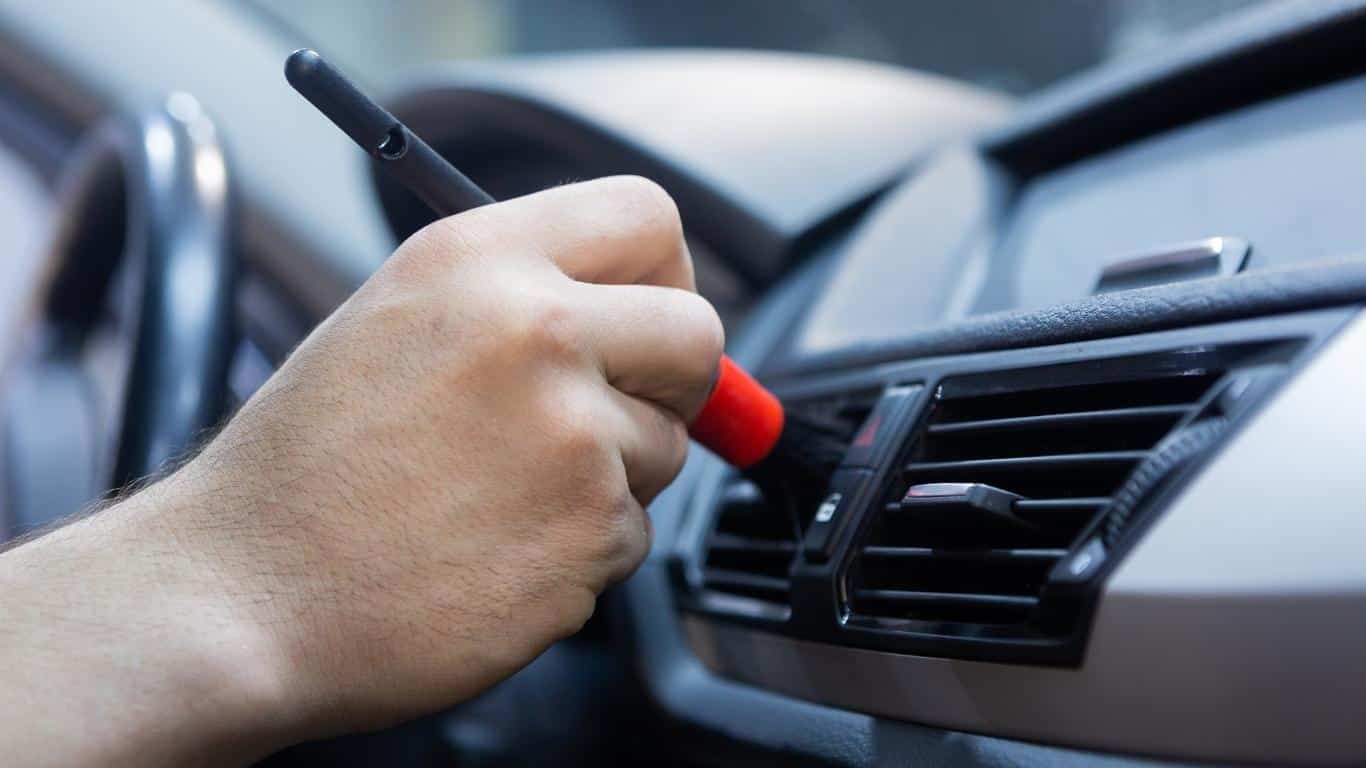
[[1312, 285]]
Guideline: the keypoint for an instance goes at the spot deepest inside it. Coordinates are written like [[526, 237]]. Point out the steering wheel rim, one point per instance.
[[150, 194]]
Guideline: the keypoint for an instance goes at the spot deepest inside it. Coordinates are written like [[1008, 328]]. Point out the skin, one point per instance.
[[433, 489]]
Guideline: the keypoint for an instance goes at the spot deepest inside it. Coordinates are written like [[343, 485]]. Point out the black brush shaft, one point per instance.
[[403, 154]]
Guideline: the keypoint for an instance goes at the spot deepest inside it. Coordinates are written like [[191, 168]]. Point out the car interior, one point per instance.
[[1091, 341]]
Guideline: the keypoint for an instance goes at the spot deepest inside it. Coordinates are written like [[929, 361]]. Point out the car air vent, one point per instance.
[[750, 550], [1009, 473], [753, 542]]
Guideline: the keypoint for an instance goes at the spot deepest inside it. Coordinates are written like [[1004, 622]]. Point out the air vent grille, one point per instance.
[[1001, 480], [985, 498], [750, 551]]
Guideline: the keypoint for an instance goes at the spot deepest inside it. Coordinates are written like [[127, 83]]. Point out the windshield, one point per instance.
[[1012, 45]]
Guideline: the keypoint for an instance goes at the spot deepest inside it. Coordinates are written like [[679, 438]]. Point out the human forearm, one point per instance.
[[122, 646]]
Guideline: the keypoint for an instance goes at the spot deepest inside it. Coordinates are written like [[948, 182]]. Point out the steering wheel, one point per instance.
[[125, 362]]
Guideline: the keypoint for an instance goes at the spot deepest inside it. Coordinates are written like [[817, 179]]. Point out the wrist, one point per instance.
[[235, 672]]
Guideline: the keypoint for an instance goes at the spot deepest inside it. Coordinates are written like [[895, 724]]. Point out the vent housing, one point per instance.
[[1010, 474], [1030, 473]]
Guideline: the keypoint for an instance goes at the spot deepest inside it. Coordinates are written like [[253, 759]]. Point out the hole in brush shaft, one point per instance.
[[394, 145]]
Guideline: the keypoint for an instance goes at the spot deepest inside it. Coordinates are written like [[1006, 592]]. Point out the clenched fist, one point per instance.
[[434, 488]]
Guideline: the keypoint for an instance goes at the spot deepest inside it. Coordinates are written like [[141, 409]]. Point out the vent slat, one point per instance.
[[748, 584], [1065, 475], [1060, 511], [944, 606], [1061, 505], [983, 555], [1049, 420], [724, 542], [1043, 507], [909, 597], [1027, 463], [1184, 388]]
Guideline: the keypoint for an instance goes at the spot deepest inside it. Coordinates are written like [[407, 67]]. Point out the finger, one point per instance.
[[619, 229], [637, 534], [658, 344], [653, 442]]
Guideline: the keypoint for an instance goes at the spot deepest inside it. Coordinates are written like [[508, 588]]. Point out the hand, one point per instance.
[[439, 482]]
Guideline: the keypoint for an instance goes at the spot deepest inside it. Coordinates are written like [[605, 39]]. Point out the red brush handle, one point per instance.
[[741, 421]]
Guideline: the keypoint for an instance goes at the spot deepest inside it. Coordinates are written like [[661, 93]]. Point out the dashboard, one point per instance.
[[1096, 353]]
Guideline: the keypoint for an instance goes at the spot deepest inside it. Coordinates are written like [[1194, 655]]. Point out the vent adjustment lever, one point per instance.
[[962, 506]]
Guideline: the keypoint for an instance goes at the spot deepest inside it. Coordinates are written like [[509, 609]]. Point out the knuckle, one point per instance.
[[669, 443], [575, 611], [701, 334], [625, 543], [582, 446], [547, 328], [679, 443], [653, 207]]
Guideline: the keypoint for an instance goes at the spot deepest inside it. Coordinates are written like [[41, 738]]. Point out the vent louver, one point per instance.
[[1002, 479], [751, 548]]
